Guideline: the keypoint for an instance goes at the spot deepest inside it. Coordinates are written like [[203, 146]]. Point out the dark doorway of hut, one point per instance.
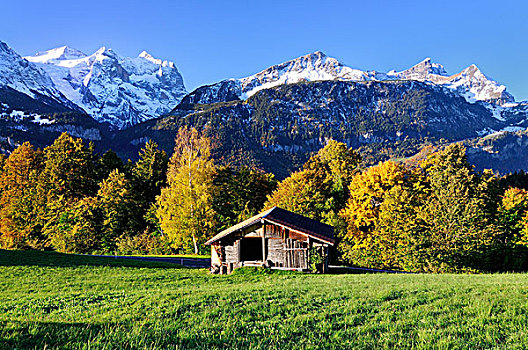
[[251, 250]]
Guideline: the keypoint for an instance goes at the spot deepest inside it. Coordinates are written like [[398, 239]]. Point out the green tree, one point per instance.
[[116, 203], [107, 163], [69, 175], [149, 173], [239, 194], [185, 205], [459, 212], [76, 226]]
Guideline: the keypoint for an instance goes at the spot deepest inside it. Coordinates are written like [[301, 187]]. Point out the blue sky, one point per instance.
[[213, 40]]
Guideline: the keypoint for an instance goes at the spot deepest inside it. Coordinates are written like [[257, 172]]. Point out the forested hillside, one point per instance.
[[278, 128]]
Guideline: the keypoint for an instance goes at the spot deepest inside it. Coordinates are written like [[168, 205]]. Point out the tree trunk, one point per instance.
[[195, 244]]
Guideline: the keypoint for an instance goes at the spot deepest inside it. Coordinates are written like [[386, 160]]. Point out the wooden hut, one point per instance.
[[276, 238]]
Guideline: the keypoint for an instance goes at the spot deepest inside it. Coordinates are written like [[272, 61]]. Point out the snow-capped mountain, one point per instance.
[[20, 77], [296, 106], [277, 116], [472, 84], [119, 90], [313, 67], [475, 84]]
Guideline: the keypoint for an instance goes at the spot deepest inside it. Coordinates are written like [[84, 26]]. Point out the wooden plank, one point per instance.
[[263, 246]]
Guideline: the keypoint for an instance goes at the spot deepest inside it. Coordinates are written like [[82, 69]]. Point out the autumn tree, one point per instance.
[[513, 219], [69, 175], [437, 217], [513, 213], [185, 205], [119, 212], [20, 224], [320, 189], [362, 243], [69, 169]]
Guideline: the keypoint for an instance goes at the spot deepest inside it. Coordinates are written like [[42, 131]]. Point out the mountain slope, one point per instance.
[[112, 89], [26, 87], [278, 128]]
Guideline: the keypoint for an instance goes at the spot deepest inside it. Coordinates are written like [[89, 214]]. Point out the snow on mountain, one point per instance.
[[27, 78], [58, 54], [470, 83], [313, 67], [423, 71], [478, 86], [119, 90]]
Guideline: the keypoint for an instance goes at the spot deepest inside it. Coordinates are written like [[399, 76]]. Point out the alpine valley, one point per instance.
[[274, 119]]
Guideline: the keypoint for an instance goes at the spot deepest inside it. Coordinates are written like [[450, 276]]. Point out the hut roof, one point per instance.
[[288, 219]]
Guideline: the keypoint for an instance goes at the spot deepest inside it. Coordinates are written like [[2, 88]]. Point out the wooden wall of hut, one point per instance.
[[282, 248]]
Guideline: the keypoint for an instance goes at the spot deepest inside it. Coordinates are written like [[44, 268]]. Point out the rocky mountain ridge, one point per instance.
[[273, 119], [120, 91], [471, 83]]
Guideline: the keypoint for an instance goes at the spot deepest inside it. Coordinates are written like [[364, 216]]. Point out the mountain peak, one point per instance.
[[57, 54], [314, 57], [472, 69], [315, 66], [317, 53], [145, 54], [101, 51], [4, 46], [149, 57], [423, 69]]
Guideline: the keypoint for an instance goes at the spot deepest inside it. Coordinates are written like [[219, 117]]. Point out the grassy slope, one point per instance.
[[73, 303]]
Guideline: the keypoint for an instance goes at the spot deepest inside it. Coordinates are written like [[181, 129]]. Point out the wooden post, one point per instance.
[[285, 256], [263, 242], [308, 252], [325, 265], [239, 248]]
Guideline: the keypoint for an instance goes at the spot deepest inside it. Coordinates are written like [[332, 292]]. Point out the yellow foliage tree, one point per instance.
[[20, 224], [513, 213], [184, 207], [320, 189], [367, 191]]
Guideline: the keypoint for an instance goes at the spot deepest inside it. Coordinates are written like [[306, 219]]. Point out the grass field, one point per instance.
[[50, 300]]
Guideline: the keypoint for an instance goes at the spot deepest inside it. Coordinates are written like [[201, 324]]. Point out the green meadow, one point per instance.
[[50, 300]]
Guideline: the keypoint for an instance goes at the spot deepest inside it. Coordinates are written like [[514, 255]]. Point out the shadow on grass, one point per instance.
[[42, 258], [345, 270], [79, 335], [43, 335]]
